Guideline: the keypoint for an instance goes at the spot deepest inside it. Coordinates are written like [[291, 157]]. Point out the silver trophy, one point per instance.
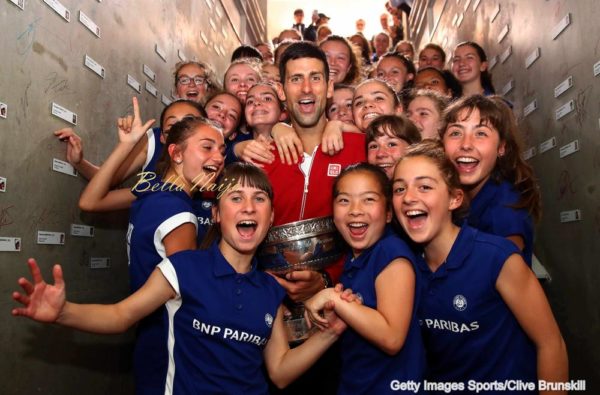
[[311, 244]]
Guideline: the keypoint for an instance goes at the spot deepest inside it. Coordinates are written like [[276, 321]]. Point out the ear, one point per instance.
[[175, 153], [279, 90], [410, 77], [388, 216], [283, 116], [399, 109], [456, 199], [215, 214], [483, 67], [502, 149], [272, 217], [330, 88]]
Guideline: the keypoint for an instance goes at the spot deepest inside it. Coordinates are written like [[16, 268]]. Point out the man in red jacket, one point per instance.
[[304, 190]]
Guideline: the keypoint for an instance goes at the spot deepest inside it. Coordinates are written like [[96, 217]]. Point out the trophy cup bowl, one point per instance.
[[311, 244]]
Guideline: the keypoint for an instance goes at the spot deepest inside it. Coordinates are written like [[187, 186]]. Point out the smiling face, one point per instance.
[[225, 111], [239, 78], [394, 72], [244, 215], [201, 157], [338, 57], [341, 106], [430, 57], [467, 65], [385, 151], [262, 106], [175, 113], [372, 99], [191, 91], [426, 117], [306, 90], [474, 148], [360, 210], [422, 200], [381, 43]]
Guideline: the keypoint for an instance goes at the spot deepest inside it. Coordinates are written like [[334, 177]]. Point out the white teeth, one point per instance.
[[219, 124], [247, 223], [306, 101], [385, 165], [210, 168], [466, 159], [414, 213], [371, 115], [357, 224]]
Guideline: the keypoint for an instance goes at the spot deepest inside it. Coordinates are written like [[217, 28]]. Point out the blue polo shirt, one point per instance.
[[219, 324], [469, 332], [203, 203], [152, 216], [154, 149], [366, 369], [491, 211]]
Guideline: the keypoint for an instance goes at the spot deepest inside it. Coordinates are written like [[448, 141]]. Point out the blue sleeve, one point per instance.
[[388, 249], [499, 250], [508, 221]]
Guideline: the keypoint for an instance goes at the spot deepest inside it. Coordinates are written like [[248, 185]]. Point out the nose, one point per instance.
[[381, 153], [248, 205], [355, 208], [409, 196], [306, 86], [466, 142]]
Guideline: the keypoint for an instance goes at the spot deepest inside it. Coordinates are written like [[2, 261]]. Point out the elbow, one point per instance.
[[392, 346], [85, 205], [278, 380]]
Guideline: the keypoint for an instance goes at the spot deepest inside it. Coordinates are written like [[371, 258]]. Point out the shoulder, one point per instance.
[[354, 138]]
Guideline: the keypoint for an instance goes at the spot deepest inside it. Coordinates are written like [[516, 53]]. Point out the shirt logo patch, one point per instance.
[[460, 303], [269, 320], [334, 169], [206, 205]]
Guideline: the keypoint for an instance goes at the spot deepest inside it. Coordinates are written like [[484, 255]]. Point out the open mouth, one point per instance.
[[416, 218], [466, 164], [307, 105], [370, 115], [357, 229], [210, 169], [246, 228], [192, 95]]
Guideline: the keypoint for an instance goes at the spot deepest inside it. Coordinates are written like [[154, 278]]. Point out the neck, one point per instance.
[[262, 130], [173, 178], [438, 249], [473, 190], [241, 262], [472, 88], [311, 136]]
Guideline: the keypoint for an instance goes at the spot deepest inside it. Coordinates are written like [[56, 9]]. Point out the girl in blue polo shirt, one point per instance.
[[382, 345], [224, 316], [480, 138], [162, 219], [483, 313]]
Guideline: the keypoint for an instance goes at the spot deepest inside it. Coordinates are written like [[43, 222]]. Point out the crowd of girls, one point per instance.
[[446, 294]]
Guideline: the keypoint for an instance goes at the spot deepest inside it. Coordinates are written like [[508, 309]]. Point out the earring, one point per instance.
[[178, 161]]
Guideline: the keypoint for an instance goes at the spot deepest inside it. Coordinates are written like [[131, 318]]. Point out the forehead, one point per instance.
[[391, 61], [430, 52], [416, 166], [343, 93], [334, 45], [404, 48], [382, 37], [207, 132], [181, 108], [241, 68], [226, 100], [359, 181], [421, 101], [261, 89], [191, 70], [304, 66], [465, 50], [372, 86]]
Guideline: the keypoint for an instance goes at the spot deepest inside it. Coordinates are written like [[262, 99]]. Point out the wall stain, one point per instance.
[[565, 185], [40, 49], [580, 102], [5, 218], [57, 86], [26, 38]]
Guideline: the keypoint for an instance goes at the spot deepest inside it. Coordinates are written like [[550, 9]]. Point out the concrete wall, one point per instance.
[[511, 32], [42, 61]]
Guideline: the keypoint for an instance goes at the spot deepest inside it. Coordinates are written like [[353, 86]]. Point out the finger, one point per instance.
[[298, 151], [136, 108], [284, 154], [299, 275], [19, 297], [307, 319], [148, 124], [35, 271], [59, 280], [339, 287], [26, 285]]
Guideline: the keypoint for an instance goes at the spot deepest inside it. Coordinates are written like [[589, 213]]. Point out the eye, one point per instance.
[[453, 133], [269, 99], [358, 103], [316, 78], [341, 200], [233, 80], [481, 133], [424, 188], [423, 113], [333, 109], [380, 74], [392, 144], [260, 198], [249, 102], [372, 146], [398, 190]]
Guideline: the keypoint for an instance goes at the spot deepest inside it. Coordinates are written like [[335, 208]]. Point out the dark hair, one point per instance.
[[197, 106], [246, 51], [336, 87], [298, 11], [378, 174], [448, 78], [237, 173], [486, 76], [300, 50], [355, 66], [179, 133], [436, 48], [365, 48], [408, 64], [410, 44], [392, 125], [281, 46], [434, 151], [511, 166]]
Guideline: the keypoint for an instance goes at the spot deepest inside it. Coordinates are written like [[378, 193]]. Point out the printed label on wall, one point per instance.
[[561, 26], [3, 110], [531, 107], [82, 230], [569, 149], [10, 244], [99, 262], [149, 73], [160, 52], [563, 86], [63, 167], [570, 216], [152, 89], [53, 238], [87, 22], [59, 9], [19, 3], [93, 65], [535, 55], [64, 114], [565, 109], [548, 145], [132, 82]]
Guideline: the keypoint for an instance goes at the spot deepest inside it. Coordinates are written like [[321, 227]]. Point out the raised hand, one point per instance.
[[257, 151], [131, 129], [42, 302], [74, 145]]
